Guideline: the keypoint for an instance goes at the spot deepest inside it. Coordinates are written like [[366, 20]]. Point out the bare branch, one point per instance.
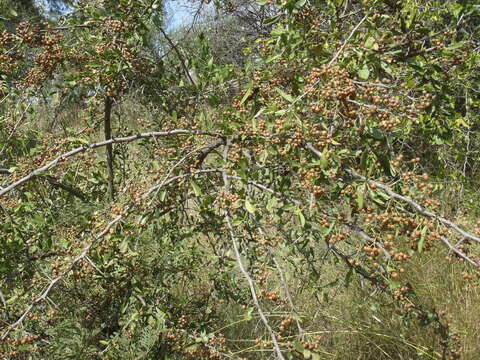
[[179, 55], [417, 207], [244, 272], [84, 148]]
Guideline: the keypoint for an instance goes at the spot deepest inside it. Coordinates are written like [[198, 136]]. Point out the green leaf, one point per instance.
[[78, 140], [348, 277], [237, 221], [329, 230], [383, 194], [272, 58], [248, 316], [360, 196], [271, 203], [278, 31], [300, 3], [364, 73], [376, 133], [370, 42], [375, 197], [385, 66], [301, 218], [363, 160], [246, 96], [196, 188], [323, 162], [213, 101], [250, 208], [394, 285], [455, 46], [271, 20], [286, 96], [162, 195], [298, 346], [55, 99], [422, 239]]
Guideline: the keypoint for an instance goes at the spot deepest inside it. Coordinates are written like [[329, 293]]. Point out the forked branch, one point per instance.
[[84, 148]]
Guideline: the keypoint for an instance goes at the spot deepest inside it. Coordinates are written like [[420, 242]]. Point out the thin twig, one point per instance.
[[346, 41], [238, 257], [287, 292], [179, 55], [284, 283]]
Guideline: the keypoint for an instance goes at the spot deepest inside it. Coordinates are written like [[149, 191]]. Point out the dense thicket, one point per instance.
[[285, 179]]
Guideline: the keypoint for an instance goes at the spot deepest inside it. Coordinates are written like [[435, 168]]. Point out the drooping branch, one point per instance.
[[84, 148], [354, 227], [417, 207]]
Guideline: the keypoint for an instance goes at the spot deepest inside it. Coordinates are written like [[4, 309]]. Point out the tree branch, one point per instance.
[[244, 272], [180, 57], [70, 189], [86, 249], [417, 207], [84, 148], [55, 183]]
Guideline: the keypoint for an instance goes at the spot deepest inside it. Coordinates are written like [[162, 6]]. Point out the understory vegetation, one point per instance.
[[279, 179]]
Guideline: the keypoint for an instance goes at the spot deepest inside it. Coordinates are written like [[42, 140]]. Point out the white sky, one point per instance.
[[178, 12]]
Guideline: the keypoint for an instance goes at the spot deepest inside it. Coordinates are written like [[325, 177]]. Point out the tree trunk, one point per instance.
[[109, 148]]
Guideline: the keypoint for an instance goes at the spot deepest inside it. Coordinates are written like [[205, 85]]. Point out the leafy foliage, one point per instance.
[[254, 204]]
